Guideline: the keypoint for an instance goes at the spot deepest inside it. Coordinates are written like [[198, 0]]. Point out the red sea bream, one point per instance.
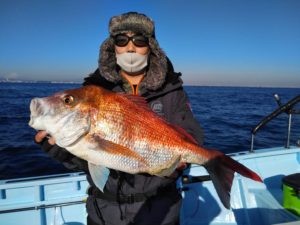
[[120, 132]]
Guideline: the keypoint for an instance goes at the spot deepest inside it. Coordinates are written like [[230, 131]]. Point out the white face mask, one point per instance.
[[132, 62]]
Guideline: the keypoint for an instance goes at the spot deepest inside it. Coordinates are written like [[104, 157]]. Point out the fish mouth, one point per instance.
[[36, 110]]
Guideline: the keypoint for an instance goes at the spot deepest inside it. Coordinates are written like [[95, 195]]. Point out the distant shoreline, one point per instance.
[[185, 85], [39, 82]]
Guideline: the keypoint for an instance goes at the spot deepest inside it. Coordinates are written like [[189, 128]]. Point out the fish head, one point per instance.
[[66, 115]]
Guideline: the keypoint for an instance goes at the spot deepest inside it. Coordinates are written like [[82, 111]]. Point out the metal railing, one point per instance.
[[286, 108]]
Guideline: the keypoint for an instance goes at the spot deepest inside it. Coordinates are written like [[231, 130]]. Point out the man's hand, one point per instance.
[[181, 166], [43, 134], [178, 170]]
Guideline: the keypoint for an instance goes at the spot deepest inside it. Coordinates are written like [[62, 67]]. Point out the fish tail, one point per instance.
[[221, 169]]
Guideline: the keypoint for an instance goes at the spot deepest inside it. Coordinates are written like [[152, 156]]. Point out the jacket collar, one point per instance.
[[172, 81]]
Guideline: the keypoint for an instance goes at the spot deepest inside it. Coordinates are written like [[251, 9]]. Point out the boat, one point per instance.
[[60, 199]]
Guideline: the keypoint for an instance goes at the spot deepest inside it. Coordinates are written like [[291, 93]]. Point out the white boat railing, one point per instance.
[[46, 200]]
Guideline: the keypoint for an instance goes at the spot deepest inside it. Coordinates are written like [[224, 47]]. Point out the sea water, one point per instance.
[[226, 114]]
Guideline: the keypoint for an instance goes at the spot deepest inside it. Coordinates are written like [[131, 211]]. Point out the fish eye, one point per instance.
[[68, 99]]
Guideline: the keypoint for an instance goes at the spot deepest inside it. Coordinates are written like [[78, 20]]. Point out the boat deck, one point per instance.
[[252, 202], [60, 199]]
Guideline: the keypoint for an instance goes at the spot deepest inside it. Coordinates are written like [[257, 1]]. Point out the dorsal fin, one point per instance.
[[185, 134], [140, 101]]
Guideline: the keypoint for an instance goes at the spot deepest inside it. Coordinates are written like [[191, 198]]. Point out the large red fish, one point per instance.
[[119, 131]]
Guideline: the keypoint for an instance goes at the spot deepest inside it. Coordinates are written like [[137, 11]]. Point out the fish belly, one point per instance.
[[155, 162]]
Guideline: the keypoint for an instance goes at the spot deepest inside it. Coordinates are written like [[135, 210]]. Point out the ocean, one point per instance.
[[226, 114]]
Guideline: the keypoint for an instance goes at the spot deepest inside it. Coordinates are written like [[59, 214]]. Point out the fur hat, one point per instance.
[[134, 22], [137, 23]]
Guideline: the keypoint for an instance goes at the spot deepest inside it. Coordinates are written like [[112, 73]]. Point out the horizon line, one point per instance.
[[186, 85]]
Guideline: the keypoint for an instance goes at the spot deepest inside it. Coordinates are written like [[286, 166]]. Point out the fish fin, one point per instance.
[[117, 149], [99, 175], [185, 134], [168, 171], [140, 101], [221, 169]]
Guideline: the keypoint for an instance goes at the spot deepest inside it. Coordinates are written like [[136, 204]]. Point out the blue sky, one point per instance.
[[224, 42]]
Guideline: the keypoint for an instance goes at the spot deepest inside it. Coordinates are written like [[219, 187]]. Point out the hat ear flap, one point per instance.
[[107, 61], [157, 68]]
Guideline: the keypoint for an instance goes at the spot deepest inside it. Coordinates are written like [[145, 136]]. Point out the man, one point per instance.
[[131, 61]]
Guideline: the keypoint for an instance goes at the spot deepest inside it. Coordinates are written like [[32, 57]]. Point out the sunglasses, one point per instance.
[[138, 40]]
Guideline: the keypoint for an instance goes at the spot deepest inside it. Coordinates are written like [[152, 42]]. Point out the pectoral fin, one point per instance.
[[117, 149], [99, 175]]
